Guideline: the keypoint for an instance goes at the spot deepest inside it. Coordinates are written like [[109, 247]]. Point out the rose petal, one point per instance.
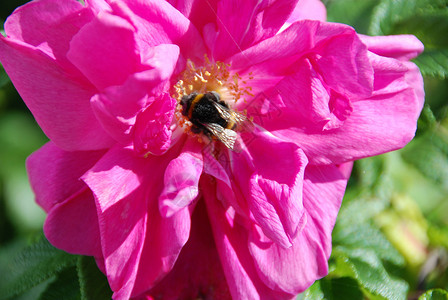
[[122, 214], [97, 5], [104, 50], [54, 173], [152, 132], [305, 98], [231, 241], [136, 250], [384, 122], [199, 12], [72, 225], [334, 51], [117, 106], [157, 22], [294, 269], [59, 102], [165, 238], [215, 166], [308, 10], [241, 24], [198, 271], [274, 198], [49, 25], [218, 166], [180, 183], [402, 47]]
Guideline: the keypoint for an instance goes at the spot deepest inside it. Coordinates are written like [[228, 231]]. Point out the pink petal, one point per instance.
[[294, 269], [231, 240], [100, 263], [157, 22], [361, 123], [49, 25], [241, 24], [415, 81], [97, 6], [72, 225], [54, 173], [165, 238], [274, 198], [117, 106], [104, 50], [304, 97], [402, 47], [346, 169], [163, 60], [199, 12], [384, 122], [334, 51], [152, 133], [58, 100], [139, 246], [198, 271], [181, 179], [219, 168], [215, 167], [122, 214], [308, 10]]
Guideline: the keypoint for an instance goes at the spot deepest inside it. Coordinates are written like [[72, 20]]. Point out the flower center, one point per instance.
[[207, 98]]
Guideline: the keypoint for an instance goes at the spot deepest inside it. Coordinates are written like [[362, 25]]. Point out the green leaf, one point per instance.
[[426, 19], [314, 292], [64, 287], [428, 154], [430, 26], [368, 172], [359, 211], [427, 120], [433, 63], [34, 265], [369, 237], [334, 289], [93, 283], [392, 13], [388, 13], [345, 288], [367, 268], [352, 12], [436, 294]]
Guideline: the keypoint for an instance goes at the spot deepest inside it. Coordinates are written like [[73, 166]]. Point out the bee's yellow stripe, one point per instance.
[[193, 104], [230, 124]]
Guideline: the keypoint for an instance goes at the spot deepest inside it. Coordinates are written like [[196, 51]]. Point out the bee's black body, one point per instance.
[[200, 110], [212, 117]]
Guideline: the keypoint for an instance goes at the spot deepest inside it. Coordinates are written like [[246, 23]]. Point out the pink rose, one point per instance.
[[171, 204]]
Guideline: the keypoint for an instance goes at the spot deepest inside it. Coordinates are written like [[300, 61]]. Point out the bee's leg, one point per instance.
[[195, 129]]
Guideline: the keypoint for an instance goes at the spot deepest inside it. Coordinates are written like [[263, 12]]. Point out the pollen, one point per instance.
[[209, 77]]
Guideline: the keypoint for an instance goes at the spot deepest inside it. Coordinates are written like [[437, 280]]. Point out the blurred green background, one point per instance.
[[19, 137], [391, 238]]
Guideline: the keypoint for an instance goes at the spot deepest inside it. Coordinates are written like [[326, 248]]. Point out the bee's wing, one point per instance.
[[224, 112], [241, 121], [226, 136]]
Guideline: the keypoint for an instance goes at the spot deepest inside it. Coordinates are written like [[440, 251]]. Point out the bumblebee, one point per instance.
[[213, 117]]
